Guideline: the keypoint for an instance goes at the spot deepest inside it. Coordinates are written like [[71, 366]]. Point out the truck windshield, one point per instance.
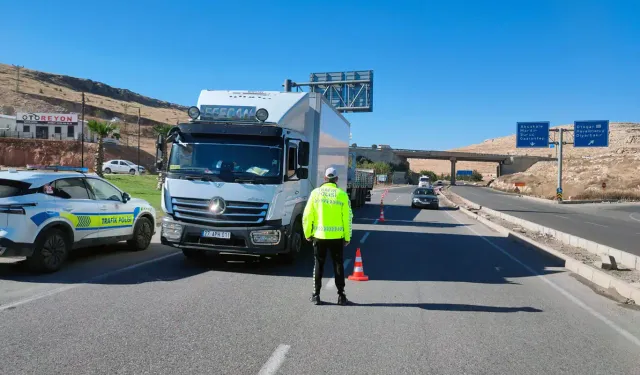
[[229, 160]]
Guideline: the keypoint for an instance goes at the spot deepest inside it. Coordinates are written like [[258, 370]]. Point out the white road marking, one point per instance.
[[560, 216], [600, 225], [559, 289], [332, 282], [633, 217], [275, 361], [364, 238], [84, 282]]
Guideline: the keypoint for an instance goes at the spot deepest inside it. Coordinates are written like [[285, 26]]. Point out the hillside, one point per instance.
[[46, 92], [584, 168]]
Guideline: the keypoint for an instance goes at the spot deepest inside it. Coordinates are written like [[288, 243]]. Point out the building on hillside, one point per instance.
[[53, 126]]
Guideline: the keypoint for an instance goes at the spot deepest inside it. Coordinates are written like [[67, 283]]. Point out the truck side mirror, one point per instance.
[[303, 154], [302, 173]]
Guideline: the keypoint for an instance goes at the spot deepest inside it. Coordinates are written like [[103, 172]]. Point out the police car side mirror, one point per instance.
[[126, 197], [302, 173]]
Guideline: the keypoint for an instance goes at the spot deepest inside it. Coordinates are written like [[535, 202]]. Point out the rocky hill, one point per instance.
[[46, 92], [585, 169]]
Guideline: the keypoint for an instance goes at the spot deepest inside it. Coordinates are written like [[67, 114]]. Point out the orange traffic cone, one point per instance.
[[381, 219], [358, 270]]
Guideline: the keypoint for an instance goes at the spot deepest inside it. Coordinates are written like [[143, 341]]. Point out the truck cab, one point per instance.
[[238, 175]]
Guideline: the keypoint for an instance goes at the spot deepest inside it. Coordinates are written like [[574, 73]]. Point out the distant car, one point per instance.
[[425, 197], [439, 183], [45, 215], [122, 166]]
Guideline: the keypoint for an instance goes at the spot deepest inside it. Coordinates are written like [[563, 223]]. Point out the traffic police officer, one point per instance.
[[327, 221]]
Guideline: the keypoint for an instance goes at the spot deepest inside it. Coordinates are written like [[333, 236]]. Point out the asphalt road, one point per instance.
[[446, 296], [615, 225]]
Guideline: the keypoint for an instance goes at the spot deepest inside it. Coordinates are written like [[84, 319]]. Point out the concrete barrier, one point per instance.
[[592, 274], [622, 257]]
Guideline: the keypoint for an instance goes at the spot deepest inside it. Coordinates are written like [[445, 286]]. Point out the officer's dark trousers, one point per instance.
[[320, 250]]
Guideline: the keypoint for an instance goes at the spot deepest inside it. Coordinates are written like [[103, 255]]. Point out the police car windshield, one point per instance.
[[228, 159]]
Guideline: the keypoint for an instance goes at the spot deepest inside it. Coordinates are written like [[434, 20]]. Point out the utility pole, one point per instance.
[[82, 133], [560, 142], [138, 140], [125, 122], [18, 67]]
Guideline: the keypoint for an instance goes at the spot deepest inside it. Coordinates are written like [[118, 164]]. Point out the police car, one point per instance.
[[45, 212]]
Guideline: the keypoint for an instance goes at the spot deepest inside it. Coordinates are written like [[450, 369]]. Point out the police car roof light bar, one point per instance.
[[57, 168]]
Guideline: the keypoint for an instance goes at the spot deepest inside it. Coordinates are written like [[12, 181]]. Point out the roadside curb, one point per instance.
[[592, 274], [551, 201], [627, 259]]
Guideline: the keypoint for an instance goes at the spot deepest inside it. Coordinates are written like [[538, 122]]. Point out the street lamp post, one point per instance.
[[138, 140]]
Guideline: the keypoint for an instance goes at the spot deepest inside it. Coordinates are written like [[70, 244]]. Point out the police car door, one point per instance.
[[115, 217], [75, 203]]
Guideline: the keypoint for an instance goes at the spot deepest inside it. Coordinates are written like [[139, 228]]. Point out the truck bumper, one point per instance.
[[242, 239], [9, 248]]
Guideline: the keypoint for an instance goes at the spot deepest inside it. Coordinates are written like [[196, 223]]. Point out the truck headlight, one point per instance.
[[265, 237], [416, 199], [171, 230]]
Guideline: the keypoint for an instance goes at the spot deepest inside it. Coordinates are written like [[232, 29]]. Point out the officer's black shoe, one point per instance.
[[315, 299], [342, 299]]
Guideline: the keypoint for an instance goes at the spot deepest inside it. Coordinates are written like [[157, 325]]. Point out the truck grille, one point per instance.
[[237, 213]]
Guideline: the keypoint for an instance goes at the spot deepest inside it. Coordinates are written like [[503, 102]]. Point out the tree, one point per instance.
[[101, 130], [374, 146], [8, 110], [354, 145], [162, 130]]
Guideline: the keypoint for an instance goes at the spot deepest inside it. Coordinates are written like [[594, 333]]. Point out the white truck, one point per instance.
[[424, 181], [240, 172]]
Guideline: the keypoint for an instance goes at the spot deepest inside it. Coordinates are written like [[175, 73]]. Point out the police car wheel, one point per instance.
[[142, 234], [51, 251]]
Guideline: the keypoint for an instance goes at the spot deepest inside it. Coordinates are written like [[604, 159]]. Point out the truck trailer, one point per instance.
[[359, 183], [241, 170]]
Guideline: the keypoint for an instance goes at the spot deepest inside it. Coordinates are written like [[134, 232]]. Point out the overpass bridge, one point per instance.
[[507, 164]]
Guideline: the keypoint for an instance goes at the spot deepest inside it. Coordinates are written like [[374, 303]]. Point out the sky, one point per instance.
[[446, 73]]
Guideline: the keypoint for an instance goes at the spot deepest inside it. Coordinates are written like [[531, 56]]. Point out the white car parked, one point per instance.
[[122, 166], [44, 215]]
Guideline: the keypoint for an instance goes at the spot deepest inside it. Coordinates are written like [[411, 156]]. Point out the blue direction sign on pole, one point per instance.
[[591, 133], [463, 172], [533, 134]]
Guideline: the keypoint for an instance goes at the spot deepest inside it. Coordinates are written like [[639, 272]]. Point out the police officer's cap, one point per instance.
[[331, 173]]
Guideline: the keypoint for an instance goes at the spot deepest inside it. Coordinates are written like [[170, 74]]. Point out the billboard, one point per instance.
[[32, 118]]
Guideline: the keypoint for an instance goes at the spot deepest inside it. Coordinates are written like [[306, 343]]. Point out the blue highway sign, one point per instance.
[[591, 133], [463, 172], [533, 135]]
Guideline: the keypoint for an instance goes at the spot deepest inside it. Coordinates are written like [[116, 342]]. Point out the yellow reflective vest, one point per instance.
[[327, 214]]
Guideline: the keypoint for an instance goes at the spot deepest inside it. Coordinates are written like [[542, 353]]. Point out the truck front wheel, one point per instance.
[[295, 244]]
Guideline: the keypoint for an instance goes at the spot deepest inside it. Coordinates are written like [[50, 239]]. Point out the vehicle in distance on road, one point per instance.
[[122, 166], [424, 181], [439, 183], [44, 214], [425, 197]]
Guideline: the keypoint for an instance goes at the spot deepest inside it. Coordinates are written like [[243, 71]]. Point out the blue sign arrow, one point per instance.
[[532, 134], [591, 133]]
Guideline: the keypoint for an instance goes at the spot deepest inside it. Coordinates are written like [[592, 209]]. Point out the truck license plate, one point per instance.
[[216, 234]]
